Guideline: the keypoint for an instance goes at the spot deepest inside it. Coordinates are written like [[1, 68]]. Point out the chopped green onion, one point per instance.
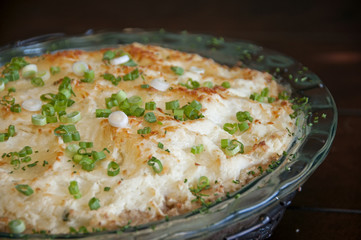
[[54, 70], [113, 169], [28, 150], [155, 164], [37, 81], [136, 111], [72, 149], [197, 149], [264, 92], [178, 114], [71, 117], [102, 113], [88, 76], [226, 84], [106, 189], [3, 137], [232, 150], [135, 100], [26, 159], [67, 132], [232, 147], [271, 99], [98, 155], [208, 84], [231, 128], [11, 130], [86, 144], [192, 110], [203, 182], [77, 157], [108, 55], [144, 86], [38, 120], [87, 164], [150, 106], [132, 75], [115, 80], [94, 203], [177, 70], [15, 108], [243, 116], [150, 117], [111, 102], [130, 63], [74, 189], [51, 119], [48, 110], [17, 226], [190, 84], [160, 145], [145, 130], [60, 105], [120, 96], [283, 95], [243, 126], [172, 105], [24, 189]]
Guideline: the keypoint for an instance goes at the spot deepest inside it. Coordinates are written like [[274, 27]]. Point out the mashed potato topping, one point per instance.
[[192, 131]]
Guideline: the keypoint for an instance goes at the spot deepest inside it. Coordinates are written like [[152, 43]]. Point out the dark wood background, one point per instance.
[[323, 35]]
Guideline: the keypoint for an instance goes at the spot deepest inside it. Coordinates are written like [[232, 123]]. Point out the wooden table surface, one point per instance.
[[323, 35]]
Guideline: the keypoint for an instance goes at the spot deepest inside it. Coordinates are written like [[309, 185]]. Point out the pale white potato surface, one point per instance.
[[137, 193]]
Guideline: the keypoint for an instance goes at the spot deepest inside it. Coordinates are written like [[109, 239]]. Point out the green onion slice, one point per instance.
[[150, 106], [203, 182], [71, 149], [172, 105], [24, 189], [243, 116], [71, 117], [74, 189], [231, 128], [135, 100], [86, 144], [243, 126], [197, 149], [155, 164], [226, 84], [102, 113], [177, 70], [38, 120], [17, 226], [37, 81], [113, 169], [54, 70], [150, 117], [145, 130], [94, 204]]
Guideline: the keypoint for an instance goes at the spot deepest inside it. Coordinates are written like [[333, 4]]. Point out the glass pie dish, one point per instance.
[[253, 211]]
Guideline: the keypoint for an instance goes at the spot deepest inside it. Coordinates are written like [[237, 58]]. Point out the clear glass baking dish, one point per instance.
[[253, 211]]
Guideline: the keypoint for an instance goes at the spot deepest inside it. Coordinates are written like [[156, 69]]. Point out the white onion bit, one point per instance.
[[120, 60], [118, 119], [159, 84], [196, 70], [80, 67], [32, 105], [44, 75], [29, 70]]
